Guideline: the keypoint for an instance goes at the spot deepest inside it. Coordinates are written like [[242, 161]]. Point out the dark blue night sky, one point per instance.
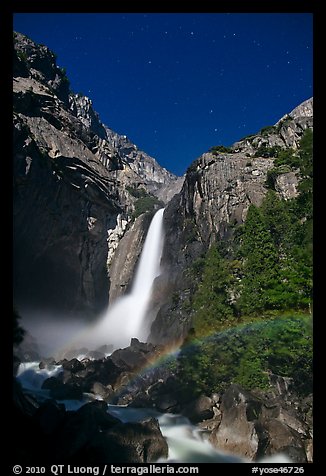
[[178, 84]]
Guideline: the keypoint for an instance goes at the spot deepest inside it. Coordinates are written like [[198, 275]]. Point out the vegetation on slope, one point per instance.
[[145, 202], [265, 273], [248, 353]]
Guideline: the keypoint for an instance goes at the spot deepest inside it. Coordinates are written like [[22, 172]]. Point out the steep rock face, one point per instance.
[[73, 184], [39, 63], [128, 252], [60, 249], [156, 179], [215, 197], [287, 132], [219, 190], [305, 109]]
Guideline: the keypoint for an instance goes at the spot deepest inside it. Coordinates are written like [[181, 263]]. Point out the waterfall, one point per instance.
[[126, 318]]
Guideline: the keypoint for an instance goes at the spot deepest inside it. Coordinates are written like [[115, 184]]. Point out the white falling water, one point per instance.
[[126, 318]]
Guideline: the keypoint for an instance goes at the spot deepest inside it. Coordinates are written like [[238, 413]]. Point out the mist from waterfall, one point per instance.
[[126, 317]]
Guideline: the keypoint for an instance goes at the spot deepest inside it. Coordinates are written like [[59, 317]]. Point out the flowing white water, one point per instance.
[[126, 318], [186, 442]]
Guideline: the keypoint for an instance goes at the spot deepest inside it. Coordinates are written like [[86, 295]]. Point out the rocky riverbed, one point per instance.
[[71, 408]]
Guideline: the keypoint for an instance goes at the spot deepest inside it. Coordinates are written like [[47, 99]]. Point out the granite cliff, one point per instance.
[[77, 186], [218, 189]]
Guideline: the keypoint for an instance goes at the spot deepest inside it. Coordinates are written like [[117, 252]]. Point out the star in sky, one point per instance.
[[183, 66]]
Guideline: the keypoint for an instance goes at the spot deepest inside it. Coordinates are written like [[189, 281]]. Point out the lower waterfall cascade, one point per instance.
[[126, 317]]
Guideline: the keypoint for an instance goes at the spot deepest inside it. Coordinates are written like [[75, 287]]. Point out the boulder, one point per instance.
[[199, 410], [73, 365], [141, 401], [128, 359], [258, 425], [169, 395], [51, 383], [104, 372], [80, 428], [25, 404], [237, 433], [136, 345], [166, 403], [66, 392], [105, 392], [278, 438], [49, 416], [127, 443]]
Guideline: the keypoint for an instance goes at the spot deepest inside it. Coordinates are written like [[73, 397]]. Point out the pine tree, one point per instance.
[[278, 220], [211, 300], [260, 267]]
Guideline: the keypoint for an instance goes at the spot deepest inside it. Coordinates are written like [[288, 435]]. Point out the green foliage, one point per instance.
[[146, 204], [273, 250], [276, 250], [137, 192], [251, 373], [190, 231], [287, 157], [249, 137], [245, 355], [197, 268], [64, 77], [265, 131], [283, 122], [305, 200], [211, 301], [260, 264], [220, 148], [277, 218], [22, 55], [264, 151], [272, 175], [268, 270], [306, 154], [175, 298], [285, 161]]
